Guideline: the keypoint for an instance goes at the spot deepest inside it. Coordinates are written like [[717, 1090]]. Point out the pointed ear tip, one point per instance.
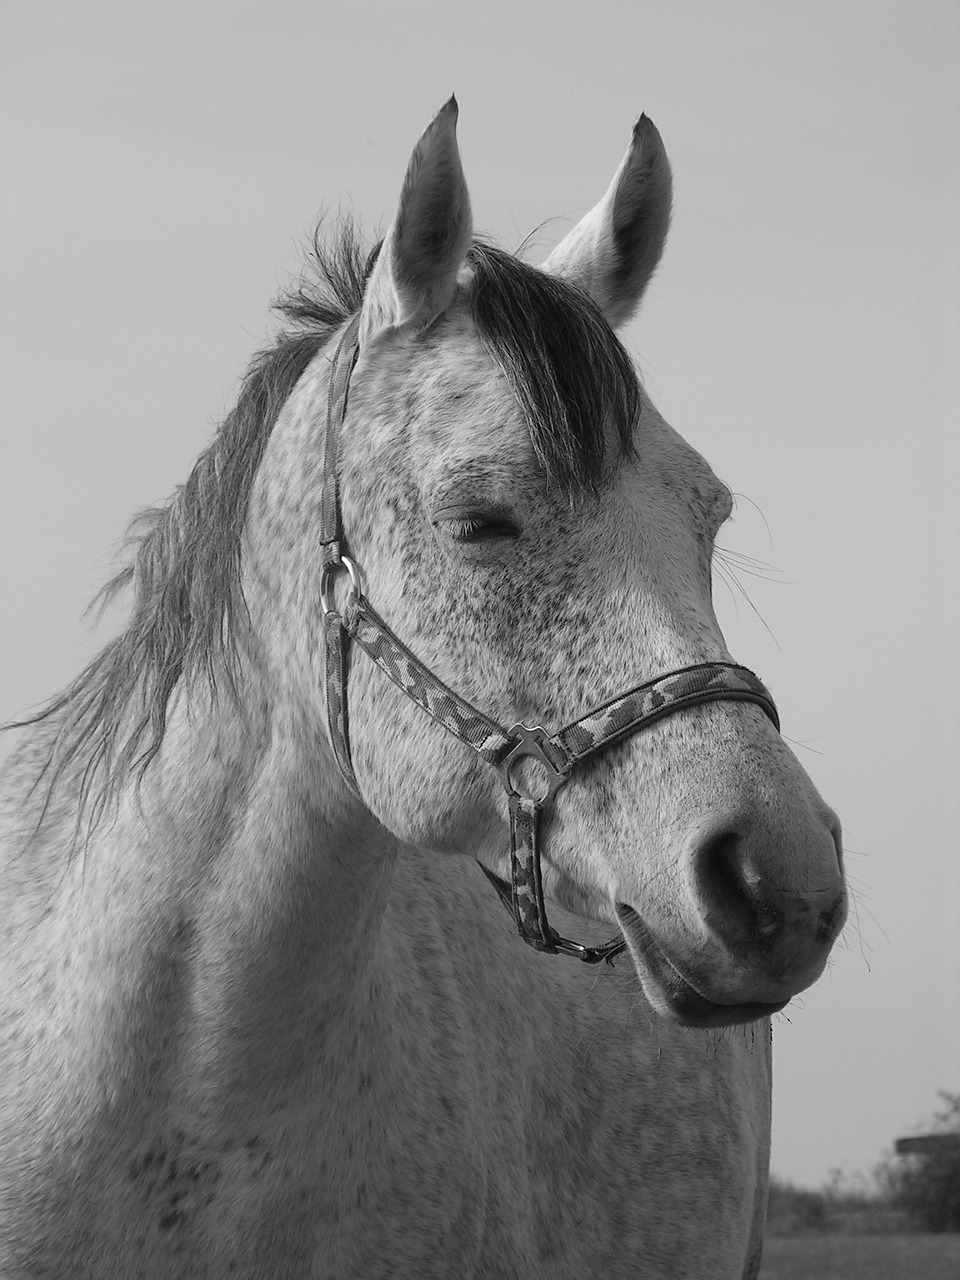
[[445, 121], [646, 131], [646, 138]]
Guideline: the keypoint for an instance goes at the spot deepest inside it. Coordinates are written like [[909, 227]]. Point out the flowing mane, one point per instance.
[[568, 371]]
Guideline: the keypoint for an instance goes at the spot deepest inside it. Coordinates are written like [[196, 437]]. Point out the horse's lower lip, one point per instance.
[[684, 1002]]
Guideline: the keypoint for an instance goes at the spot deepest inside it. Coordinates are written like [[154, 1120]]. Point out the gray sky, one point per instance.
[[161, 162]]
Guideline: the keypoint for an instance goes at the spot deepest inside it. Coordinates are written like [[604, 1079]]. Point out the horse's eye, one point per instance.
[[480, 526]]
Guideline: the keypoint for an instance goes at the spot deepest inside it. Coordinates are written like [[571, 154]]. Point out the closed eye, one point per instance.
[[479, 526]]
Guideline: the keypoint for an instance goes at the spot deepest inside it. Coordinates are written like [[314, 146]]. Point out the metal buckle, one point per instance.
[[330, 571], [591, 955], [568, 948], [533, 741]]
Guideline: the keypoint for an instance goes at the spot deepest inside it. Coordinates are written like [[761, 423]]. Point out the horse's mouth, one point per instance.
[[670, 992]]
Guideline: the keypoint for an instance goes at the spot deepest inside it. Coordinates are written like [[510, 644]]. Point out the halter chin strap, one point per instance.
[[557, 754]]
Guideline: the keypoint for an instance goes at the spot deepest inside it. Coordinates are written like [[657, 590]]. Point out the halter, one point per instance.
[[558, 753]]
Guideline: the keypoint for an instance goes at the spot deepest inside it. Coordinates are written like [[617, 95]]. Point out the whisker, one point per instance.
[[759, 510], [750, 564], [728, 573]]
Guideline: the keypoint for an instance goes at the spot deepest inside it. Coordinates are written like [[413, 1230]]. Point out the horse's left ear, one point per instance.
[[614, 249], [416, 271]]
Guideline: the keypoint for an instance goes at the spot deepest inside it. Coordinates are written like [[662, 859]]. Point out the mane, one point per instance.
[[563, 361], [566, 367]]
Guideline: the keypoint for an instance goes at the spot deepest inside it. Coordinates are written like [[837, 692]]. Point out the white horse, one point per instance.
[[262, 1014]]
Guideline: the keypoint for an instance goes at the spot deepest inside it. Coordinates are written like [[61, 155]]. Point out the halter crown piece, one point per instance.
[[558, 753]]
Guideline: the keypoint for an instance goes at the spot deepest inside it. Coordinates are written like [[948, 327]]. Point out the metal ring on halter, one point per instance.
[[327, 601], [533, 742]]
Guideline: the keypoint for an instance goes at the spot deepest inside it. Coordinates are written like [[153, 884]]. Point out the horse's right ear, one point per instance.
[[416, 272], [614, 249]]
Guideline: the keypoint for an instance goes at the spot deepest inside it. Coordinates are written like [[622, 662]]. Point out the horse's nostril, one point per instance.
[[743, 907], [730, 896], [831, 921], [837, 832]]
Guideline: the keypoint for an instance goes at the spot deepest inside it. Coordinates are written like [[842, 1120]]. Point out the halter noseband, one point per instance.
[[558, 753]]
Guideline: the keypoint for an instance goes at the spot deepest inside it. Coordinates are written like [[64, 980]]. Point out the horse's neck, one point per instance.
[[224, 909]]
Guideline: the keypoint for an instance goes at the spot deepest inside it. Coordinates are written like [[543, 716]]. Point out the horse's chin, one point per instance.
[[671, 994]]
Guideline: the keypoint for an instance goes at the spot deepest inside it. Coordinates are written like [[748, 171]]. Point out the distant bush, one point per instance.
[[844, 1206], [919, 1191], [794, 1211], [927, 1184]]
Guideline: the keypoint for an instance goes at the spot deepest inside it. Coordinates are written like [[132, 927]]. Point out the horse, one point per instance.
[[263, 1013]]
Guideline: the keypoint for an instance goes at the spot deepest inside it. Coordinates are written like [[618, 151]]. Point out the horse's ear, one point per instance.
[[614, 249], [416, 272]]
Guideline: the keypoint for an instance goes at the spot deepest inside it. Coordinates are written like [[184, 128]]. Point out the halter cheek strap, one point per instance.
[[336, 640], [557, 754]]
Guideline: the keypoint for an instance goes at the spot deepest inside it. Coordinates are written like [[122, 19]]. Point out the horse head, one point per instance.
[[530, 526]]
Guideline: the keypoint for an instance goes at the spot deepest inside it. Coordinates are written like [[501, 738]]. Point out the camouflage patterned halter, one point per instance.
[[556, 753]]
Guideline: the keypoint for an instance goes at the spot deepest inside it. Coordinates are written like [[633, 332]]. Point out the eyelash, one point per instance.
[[479, 528]]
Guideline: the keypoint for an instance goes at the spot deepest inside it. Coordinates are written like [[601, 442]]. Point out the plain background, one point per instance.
[[160, 163]]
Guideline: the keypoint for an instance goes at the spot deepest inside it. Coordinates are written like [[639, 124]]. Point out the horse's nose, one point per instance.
[[779, 903]]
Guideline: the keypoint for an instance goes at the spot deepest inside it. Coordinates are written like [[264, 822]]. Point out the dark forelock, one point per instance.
[[564, 362]]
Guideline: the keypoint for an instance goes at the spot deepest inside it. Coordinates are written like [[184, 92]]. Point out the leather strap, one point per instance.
[[455, 714], [336, 640], [644, 705], [344, 359], [337, 644]]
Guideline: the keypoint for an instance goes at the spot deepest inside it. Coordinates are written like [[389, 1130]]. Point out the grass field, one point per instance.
[[911, 1257]]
